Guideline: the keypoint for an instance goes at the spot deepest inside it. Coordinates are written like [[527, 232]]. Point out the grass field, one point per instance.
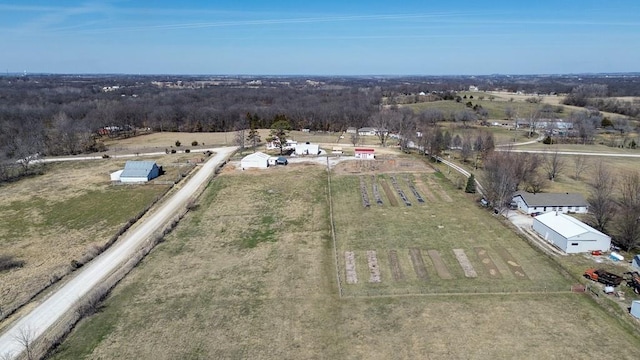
[[251, 274], [69, 212], [441, 224]]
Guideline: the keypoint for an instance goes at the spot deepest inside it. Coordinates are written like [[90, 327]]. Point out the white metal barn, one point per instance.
[[569, 234], [139, 171], [257, 160], [307, 149]]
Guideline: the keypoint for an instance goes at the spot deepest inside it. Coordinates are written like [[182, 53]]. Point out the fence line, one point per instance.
[[333, 231]]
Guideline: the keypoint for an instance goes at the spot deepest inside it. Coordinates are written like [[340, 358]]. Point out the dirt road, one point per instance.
[[44, 315]]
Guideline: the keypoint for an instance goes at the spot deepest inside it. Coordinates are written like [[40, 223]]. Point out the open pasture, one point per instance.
[[208, 292], [66, 215]]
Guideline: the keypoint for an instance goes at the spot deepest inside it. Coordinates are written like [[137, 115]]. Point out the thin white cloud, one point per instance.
[[278, 21]]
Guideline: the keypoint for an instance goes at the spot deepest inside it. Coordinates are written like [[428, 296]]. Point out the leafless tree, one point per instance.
[[499, 180], [526, 166], [585, 124], [355, 138], [601, 199], [536, 182], [467, 148], [430, 117], [382, 122], [509, 112], [580, 165], [627, 221], [553, 164], [405, 127], [239, 138], [464, 116], [25, 337]]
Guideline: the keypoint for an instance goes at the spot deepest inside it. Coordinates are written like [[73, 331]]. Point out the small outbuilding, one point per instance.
[[257, 160], [550, 202], [138, 171], [362, 153], [569, 234], [115, 176]]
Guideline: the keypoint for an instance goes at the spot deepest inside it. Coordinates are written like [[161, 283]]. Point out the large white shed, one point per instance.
[[569, 234], [307, 149], [258, 160], [139, 171]]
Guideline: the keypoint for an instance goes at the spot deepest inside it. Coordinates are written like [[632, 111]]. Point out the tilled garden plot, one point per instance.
[[376, 190], [350, 267], [441, 267], [425, 189], [415, 192], [396, 270], [515, 268], [462, 258], [491, 267], [418, 263], [401, 193], [390, 195], [365, 194], [374, 269]]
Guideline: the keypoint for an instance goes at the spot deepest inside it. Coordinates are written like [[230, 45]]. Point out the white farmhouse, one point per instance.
[[546, 202], [569, 234]]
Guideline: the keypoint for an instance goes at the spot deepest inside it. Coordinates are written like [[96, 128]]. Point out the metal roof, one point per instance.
[[565, 225], [137, 168], [552, 199], [256, 156]]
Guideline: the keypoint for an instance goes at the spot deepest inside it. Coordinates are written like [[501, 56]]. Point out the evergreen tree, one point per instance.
[[471, 185]]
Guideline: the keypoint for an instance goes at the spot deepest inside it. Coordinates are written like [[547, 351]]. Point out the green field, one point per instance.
[[252, 274]]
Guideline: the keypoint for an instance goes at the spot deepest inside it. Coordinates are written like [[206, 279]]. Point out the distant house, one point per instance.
[[569, 234], [137, 172], [367, 131], [546, 202], [307, 149], [352, 130], [289, 145], [257, 160], [635, 263], [337, 150], [362, 153]]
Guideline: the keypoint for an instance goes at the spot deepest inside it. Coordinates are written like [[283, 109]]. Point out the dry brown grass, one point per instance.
[[67, 214], [204, 294]]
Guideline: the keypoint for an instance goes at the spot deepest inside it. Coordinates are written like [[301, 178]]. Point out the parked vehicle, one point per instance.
[[603, 276], [633, 280], [282, 160]]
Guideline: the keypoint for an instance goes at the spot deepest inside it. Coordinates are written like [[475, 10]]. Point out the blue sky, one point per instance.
[[329, 37]]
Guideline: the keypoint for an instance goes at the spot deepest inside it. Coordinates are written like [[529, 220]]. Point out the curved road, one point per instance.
[[44, 315]]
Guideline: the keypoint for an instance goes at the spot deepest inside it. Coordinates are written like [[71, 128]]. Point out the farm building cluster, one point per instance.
[[553, 224]]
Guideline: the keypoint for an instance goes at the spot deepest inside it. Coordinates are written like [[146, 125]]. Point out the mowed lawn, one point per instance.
[[251, 274]]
